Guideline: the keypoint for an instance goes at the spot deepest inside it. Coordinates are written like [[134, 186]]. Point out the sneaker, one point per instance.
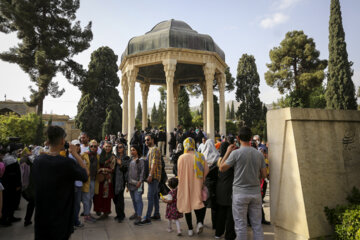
[[27, 223], [80, 225], [190, 233], [155, 218], [169, 230], [146, 221], [199, 228], [133, 217], [138, 222], [98, 214], [217, 237], [89, 219], [265, 222], [179, 233]]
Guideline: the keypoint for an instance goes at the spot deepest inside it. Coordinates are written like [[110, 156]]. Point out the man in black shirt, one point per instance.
[[54, 177]]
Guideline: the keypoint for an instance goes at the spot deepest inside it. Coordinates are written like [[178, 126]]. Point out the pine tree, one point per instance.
[[49, 39], [295, 68], [232, 111], [247, 91], [139, 112], [184, 109], [228, 113], [340, 92], [99, 109]]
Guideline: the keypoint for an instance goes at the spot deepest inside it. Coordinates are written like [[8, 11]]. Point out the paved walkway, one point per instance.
[[110, 229]]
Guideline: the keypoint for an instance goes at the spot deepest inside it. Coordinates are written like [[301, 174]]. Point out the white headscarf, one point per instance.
[[9, 159], [210, 152]]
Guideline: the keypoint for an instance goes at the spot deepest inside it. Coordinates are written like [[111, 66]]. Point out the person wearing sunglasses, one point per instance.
[[91, 186], [120, 171]]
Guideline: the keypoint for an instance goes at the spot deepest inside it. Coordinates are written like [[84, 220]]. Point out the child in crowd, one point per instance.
[[172, 213]]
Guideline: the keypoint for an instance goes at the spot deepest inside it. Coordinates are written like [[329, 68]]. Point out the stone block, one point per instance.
[[314, 159]]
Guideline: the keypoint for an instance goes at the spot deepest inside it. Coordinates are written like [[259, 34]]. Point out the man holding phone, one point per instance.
[[54, 177]]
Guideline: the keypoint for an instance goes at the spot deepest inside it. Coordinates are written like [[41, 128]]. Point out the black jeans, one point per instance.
[[119, 205], [200, 215], [225, 223], [29, 210]]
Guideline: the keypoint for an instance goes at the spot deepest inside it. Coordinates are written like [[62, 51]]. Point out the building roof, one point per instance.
[[172, 34]]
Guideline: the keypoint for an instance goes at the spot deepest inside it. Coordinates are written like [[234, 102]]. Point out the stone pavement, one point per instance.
[[110, 229]]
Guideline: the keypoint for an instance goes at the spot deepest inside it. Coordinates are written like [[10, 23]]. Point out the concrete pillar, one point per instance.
[[169, 69], [204, 113], [144, 92], [125, 90], [131, 74], [209, 72], [176, 105], [222, 122]]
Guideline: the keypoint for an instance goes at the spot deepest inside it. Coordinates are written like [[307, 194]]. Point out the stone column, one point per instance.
[[169, 69], [144, 92], [131, 74], [222, 122], [204, 113], [176, 105], [125, 90], [209, 72]]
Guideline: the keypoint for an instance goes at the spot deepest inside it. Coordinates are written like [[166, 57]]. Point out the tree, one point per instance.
[[49, 39], [154, 115], [184, 109], [99, 109], [139, 112], [12, 125], [232, 111], [228, 113], [340, 92], [247, 91], [295, 68], [161, 111], [195, 89]]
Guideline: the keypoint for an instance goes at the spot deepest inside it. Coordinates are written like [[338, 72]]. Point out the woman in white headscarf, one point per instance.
[[211, 156]]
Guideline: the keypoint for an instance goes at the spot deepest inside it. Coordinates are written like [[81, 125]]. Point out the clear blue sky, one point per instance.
[[238, 27]]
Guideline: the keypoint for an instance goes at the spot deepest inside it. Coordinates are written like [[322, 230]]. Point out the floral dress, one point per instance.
[[171, 210]]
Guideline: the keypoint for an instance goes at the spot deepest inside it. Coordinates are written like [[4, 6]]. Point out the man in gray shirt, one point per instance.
[[249, 168]]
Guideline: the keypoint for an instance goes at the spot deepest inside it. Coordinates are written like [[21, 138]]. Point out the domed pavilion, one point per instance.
[[172, 54]]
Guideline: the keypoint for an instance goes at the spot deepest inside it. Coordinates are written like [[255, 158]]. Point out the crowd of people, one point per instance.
[[228, 175]]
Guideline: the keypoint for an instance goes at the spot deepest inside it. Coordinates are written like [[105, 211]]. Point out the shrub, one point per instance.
[[345, 219]]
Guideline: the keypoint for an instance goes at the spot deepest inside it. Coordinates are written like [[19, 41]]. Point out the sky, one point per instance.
[[238, 27]]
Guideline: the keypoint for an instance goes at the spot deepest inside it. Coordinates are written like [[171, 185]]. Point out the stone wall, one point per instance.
[[314, 162]]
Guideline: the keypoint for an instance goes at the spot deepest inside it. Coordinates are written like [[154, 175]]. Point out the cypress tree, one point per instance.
[[232, 111], [154, 115], [228, 113], [99, 109], [139, 112], [247, 83], [184, 108], [49, 39], [340, 92]]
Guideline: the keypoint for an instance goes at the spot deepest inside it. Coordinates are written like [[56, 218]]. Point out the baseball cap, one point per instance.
[[75, 142]]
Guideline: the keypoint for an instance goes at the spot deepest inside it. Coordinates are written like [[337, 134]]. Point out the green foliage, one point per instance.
[[228, 114], [346, 218], [247, 91], [197, 119], [99, 109], [154, 115], [138, 124], [340, 92], [295, 68], [28, 127], [139, 112], [49, 39], [232, 127], [185, 118], [232, 111]]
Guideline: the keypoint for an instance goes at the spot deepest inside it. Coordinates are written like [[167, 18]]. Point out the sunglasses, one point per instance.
[[93, 146], [147, 140], [120, 146]]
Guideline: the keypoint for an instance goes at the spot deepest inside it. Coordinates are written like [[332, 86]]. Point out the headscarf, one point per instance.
[[9, 159], [210, 152], [189, 145], [223, 148]]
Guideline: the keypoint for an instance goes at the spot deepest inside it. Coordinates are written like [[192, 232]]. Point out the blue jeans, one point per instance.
[[153, 198], [77, 199], [87, 197], [241, 204], [136, 198]]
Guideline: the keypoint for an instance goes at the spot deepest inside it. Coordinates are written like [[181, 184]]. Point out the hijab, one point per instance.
[[189, 146], [210, 152]]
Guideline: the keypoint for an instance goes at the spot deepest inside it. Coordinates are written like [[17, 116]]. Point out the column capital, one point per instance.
[[131, 74], [169, 69], [209, 71], [144, 89]]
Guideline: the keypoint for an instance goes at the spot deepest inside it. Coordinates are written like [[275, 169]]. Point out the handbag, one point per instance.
[[204, 193]]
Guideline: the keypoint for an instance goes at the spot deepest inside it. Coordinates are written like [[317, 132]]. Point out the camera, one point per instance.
[[66, 146]]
